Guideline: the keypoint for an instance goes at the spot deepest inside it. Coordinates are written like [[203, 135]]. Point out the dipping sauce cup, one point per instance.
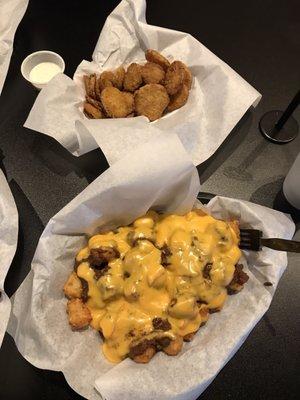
[[40, 67]]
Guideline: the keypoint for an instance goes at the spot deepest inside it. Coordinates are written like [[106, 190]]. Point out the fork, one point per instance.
[[251, 239]]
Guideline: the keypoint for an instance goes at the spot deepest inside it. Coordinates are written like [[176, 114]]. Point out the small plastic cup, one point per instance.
[[39, 57]]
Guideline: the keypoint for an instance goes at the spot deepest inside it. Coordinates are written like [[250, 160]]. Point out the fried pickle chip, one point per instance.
[[92, 112], [174, 77], [187, 75], [93, 102], [97, 90], [152, 73], [155, 57], [119, 77], [178, 99], [89, 83], [106, 79], [117, 104], [133, 77], [151, 100]]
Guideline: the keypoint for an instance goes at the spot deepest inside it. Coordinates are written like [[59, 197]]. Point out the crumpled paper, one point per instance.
[[8, 245], [157, 175], [11, 13], [218, 99]]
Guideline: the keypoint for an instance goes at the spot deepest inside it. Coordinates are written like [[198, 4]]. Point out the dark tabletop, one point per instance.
[[260, 40]]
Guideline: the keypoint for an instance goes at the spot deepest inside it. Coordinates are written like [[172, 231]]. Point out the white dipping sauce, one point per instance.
[[43, 72]]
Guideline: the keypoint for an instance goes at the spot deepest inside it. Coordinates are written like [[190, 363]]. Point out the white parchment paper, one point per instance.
[[218, 99], [11, 13], [159, 175], [8, 245]]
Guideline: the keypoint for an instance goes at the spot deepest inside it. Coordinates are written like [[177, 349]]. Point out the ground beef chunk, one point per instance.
[[85, 290], [162, 342], [240, 277], [101, 272], [141, 347], [165, 254], [100, 257], [160, 324], [206, 271]]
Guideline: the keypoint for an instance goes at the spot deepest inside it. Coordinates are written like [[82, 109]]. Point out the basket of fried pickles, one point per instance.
[[151, 89]]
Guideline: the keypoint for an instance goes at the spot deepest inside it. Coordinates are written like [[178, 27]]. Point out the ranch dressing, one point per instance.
[[43, 72]]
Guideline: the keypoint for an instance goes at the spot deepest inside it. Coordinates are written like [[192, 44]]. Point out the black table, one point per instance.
[[260, 40]]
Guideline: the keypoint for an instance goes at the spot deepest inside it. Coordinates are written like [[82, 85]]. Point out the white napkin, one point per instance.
[[218, 99], [8, 245], [158, 175], [11, 13]]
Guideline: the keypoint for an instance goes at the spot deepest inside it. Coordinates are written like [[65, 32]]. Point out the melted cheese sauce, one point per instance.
[[137, 288]]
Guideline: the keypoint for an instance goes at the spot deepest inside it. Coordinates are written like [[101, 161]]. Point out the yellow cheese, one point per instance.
[[161, 272]]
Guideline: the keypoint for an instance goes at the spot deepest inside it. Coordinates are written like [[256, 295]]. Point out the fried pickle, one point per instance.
[[89, 83], [155, 57], [151, 100], [117, 104], [93, 102], [119, 77], [92, 112], [106, 79], [178, 99], [152, 73], [188, 77], [173, 82], [133, 78], [174, 77]]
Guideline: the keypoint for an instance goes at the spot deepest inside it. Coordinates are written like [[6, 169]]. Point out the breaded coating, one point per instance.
[[79, 314], [174, 77], [98, 90], [92, 112], [116, 103], [89, 83], [152, 73], [106, 79], [174, 347], [73, 288], [93, 102], [133, 78], [178, 99], [146, 356], [204, 312], [151, 100], [155, 57], [86, 81], [188, 77], [119, 77]]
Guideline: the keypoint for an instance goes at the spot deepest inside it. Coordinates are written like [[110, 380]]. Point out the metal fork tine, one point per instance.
[[250, 239]]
